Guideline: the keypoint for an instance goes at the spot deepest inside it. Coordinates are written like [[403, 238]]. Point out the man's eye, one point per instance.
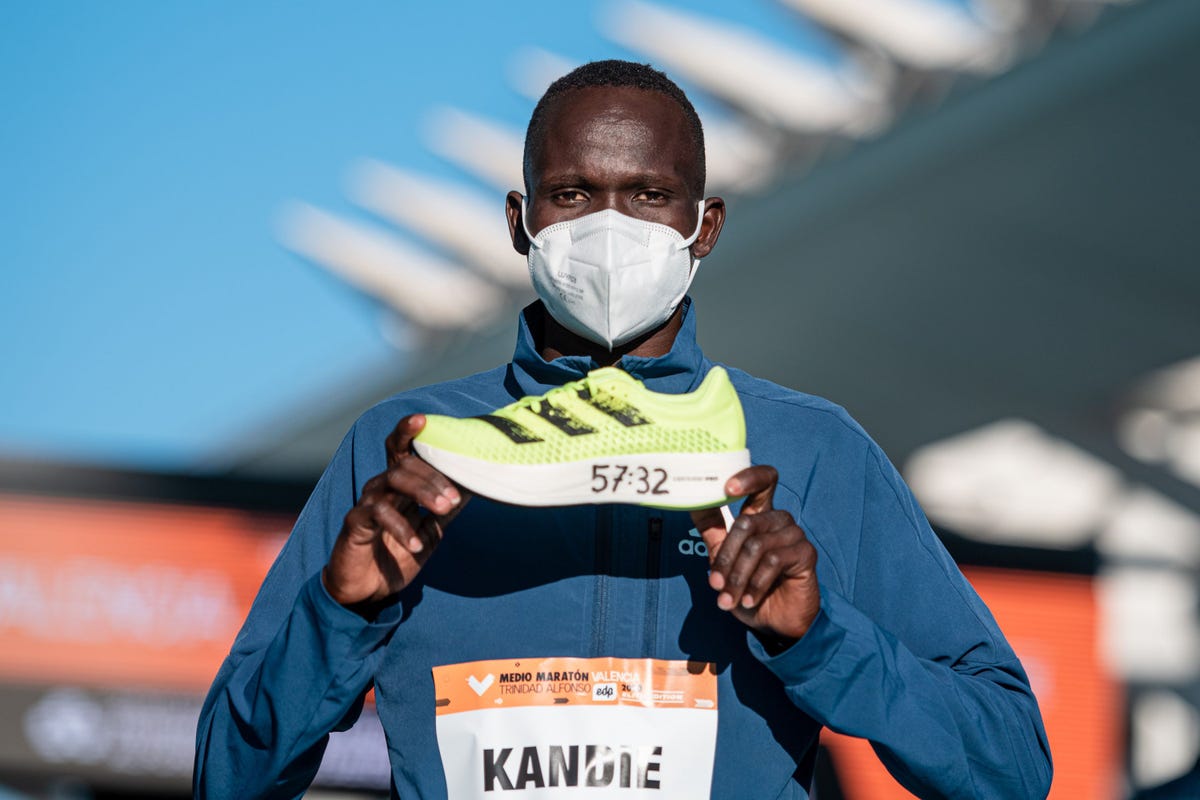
[[569, 196], [651, 196]]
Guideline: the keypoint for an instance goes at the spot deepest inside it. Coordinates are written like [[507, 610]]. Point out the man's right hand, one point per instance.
[[395, 526]]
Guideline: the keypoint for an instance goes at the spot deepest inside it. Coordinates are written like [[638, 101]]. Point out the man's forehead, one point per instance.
[[615, 103], [618, 123]]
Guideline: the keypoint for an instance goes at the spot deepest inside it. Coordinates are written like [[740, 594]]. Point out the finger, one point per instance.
[[375, 484], [464, 498], [710, 524], [413, 478], [360, 524], [397, 563], [431, 527], [794, 561], [421, 521], [431, 532], [355, 564], [763, 559], [723, 559], [757, 485], [399, 441], [399, 526], [751, 547]]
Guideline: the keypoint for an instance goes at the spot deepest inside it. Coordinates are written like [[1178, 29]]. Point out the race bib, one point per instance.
[[577, 727]]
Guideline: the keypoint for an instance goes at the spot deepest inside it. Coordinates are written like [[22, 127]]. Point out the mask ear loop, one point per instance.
[[688, 242], [525, 225], [695, 261]]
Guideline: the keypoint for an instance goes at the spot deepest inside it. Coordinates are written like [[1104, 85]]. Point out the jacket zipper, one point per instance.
[[654, 533], [604, 523]]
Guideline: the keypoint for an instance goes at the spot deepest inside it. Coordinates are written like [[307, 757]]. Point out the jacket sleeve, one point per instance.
[[905, 654], [299, 667]]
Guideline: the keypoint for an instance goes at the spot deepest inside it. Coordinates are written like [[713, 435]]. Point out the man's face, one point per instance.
[[613, 147]]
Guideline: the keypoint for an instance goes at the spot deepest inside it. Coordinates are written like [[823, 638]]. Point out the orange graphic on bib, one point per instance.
[[645, 682]]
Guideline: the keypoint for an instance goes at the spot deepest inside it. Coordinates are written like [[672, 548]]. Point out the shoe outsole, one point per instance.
[[672, 481]]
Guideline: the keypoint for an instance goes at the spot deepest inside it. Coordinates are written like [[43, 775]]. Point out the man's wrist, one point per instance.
[[368, 609], [773, 643]]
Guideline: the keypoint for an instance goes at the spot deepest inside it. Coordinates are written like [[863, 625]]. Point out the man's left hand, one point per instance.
[[764, 568]]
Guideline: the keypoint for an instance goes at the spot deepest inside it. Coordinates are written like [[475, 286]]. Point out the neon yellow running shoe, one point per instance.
[[603, 439]]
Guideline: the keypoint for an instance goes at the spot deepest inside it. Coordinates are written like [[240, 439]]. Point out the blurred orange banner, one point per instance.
[[1051, 622], [124, 594]]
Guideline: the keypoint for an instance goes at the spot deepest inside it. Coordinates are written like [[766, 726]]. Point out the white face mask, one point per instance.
[[609, 277]]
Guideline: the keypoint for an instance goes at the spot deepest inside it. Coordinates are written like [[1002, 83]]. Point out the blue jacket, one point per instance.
[[902, 652]]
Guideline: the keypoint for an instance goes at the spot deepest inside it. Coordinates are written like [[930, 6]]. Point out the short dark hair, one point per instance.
[[613, 72]]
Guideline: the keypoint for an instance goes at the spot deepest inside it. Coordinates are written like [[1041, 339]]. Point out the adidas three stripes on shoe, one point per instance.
[[603, 439]]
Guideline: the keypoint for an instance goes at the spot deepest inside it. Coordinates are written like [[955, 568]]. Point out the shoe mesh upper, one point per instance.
[[608, 413]]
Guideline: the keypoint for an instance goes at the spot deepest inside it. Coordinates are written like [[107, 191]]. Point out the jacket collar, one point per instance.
[[680, 370]]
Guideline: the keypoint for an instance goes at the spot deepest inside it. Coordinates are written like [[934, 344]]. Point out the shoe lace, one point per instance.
[[535, 402]]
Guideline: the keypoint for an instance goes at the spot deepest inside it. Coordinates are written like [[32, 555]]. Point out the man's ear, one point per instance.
[[710, 228], [516, 230]]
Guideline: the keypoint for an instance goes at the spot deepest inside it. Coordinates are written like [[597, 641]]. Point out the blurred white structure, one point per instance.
[[1165, 730], [781, 87], [486, 149], [926, 34], [466, 222], [427, 290], [1162, 426], [1012, 483]]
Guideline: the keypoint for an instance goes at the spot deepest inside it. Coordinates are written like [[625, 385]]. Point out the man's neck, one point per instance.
[[555, 341]]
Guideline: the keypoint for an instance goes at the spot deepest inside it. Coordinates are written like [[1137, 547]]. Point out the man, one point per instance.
[[827, 602]]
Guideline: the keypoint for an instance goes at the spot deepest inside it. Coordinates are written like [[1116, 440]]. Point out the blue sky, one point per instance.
[[147, 313]]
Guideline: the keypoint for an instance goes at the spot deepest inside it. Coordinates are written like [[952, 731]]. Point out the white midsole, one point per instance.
[[661, 480]]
